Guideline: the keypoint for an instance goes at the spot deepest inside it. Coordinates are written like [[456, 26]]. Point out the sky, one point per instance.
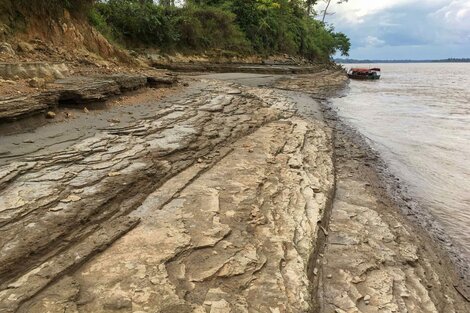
[[404, 29]]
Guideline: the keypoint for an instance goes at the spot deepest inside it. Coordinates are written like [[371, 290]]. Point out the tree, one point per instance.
[[342, 43], [235, 27]]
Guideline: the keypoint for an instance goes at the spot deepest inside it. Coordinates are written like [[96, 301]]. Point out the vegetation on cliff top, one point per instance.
[[238, 27]]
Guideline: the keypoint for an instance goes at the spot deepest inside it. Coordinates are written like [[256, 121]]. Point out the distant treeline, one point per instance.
[[450, 60]]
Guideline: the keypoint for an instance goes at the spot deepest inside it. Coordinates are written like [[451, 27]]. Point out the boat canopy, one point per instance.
[[360, 70], [365, 70]]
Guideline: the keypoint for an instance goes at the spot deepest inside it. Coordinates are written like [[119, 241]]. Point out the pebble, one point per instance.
[[50, 114], [71, 198]]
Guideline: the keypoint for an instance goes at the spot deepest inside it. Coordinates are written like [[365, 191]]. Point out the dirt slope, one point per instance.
[[52, 35]]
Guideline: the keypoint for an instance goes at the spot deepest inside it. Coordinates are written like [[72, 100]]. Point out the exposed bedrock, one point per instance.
[[215, 201], [228, 186], [36, 69], [375, 260], [78, 91]]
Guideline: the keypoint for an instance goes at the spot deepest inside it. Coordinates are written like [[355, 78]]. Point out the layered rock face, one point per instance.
[[229, 187], [78, 91]]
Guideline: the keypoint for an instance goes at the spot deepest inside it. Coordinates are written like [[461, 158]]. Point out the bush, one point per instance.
[[202, 28], [135, 22], [191, 27]]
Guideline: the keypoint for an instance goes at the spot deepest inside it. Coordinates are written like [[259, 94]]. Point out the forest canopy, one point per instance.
[[239, 26]]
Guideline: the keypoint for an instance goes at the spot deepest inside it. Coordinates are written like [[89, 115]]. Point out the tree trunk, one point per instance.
[[326, 10]]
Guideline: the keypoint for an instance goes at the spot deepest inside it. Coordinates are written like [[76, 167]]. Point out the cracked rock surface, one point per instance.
[[213, 200], [228, 186], [375, 260]]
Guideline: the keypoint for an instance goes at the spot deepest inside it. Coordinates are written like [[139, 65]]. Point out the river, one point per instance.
[[417, 116]]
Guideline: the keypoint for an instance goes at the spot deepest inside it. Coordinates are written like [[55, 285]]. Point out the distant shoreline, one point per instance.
[[352, 61]]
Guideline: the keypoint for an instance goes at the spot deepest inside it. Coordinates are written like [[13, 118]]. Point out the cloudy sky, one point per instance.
[[404, 29]]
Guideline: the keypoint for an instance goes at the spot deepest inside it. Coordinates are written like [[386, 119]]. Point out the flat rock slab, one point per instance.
[[30, 70], [235, 237], [375, 261], [78, 91], [244, 140], [12, 107], [241, 68]]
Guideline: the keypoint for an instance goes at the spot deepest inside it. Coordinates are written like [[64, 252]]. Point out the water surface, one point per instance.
[[418, 118]]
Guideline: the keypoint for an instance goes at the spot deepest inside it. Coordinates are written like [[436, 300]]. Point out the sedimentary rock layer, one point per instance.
[[78, 91], [234, 226], [279, 69]]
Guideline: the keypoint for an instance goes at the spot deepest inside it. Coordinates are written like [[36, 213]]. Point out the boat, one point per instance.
[[364, 73]]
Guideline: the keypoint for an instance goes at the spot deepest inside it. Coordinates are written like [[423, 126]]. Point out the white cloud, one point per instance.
[[379, 25], [455, 15], [453, 20], [354, 11], [372, 41]]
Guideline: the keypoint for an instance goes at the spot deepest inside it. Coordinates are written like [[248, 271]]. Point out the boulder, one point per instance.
[[37, 82]]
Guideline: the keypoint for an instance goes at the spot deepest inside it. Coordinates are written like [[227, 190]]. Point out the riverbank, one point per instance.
[[378, 256], [216, 198]]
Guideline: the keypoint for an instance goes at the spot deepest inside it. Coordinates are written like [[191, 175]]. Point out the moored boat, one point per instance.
[[364, 73]]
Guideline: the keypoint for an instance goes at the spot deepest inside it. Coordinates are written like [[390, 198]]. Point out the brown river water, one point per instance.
[[418, 118]]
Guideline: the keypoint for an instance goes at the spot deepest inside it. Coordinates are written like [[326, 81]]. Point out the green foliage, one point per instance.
[[259, 26], [202, 28], [54, 7], [99, 22], [192, 27]]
